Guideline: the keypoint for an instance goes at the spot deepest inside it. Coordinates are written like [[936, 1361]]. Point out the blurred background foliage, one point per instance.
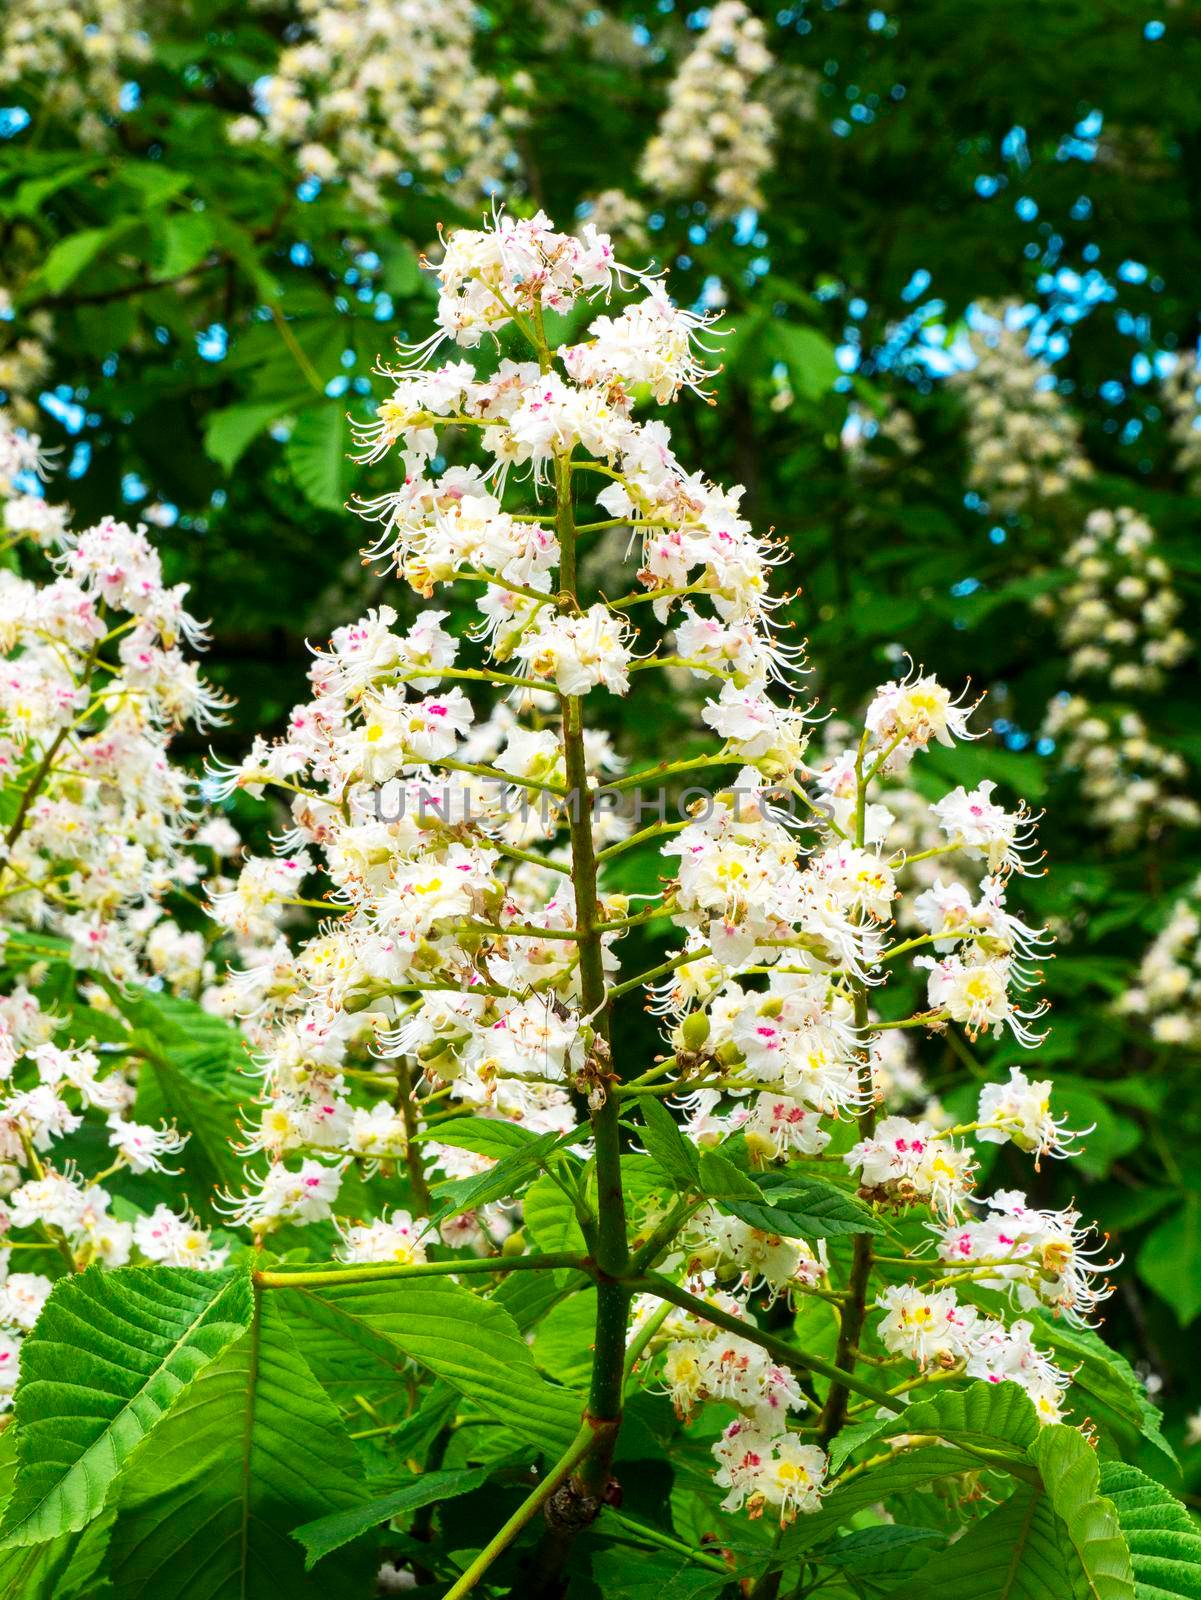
[[189, 318]]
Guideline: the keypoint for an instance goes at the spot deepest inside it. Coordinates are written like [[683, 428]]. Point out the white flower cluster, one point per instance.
[[459, 940], [714, 139], [78, 56], [100, 818], [1182, 401], [1034, 1258], [1168, 989], [1117, 617], [386, 92], [98, 834], [24, 364], [571, 25], [26, 514], [874, 443], [1023, 444], [719, 1248], [931, 1328], [46, 1091], [759, 1461], [1133, 787]]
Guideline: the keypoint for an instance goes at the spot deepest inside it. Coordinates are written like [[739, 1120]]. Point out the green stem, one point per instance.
[[535, 860], [640, 1341], [657, 830], [661, 971], [672, 769], [529, 1508], [612, 1250], [646, 1255], [854, 1310], [524, 930], [498, 776], [664, 1541], [311, 376], [413, 1162], [332, 1277]]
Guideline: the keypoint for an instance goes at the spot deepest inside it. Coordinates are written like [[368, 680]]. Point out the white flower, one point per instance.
[[1001, 1354], [984, 828], [925, 1325], [22, 1296], [140, 1146], [1021, 1111], [976, 994], [1042, 1255], [10, 1363], [389, 1238], [286, 1196], [910, 712], [176, 1241], [775, 1470], [909, 1161], [780, 1126], [54, 1200], [579, 652]]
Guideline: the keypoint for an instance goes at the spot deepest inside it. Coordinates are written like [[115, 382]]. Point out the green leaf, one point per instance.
[[506, 1179], [550, 1218], [849, 1439], [816, 1208], [193, 1073], [254, 1448], [809, 356], [348, 1357], [111, 1354], [183, 241], [667, 1144], [874, 1549], [653, 1575], [989, 1414], [1059, 1538], [1164, 1541], [317, 453], [248, 254], [798, 1208], [30, 195], [563, 1342], [1020, 1551], [471, 1343], [74, 254], [721, 1180], [528, 1296], [1071, 1474], [485, 1136], [228, 432], [154, 183], [85, 1577], [740, 338], [1170, 1259], [426, 1488], [47, 1571], [913, 1469], [1106, 1377], [403, 276], [1025, 775]]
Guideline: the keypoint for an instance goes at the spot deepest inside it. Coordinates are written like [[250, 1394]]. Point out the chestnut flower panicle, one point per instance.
[[455, 855]]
